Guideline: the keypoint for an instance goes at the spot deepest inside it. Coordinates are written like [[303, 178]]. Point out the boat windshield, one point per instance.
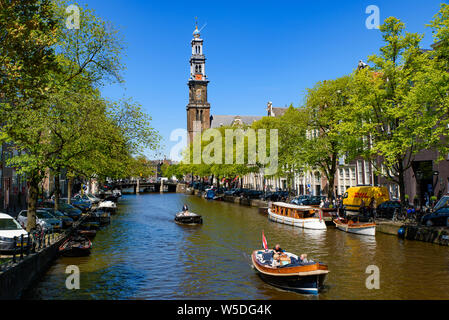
[[444, 202], [9, 224]]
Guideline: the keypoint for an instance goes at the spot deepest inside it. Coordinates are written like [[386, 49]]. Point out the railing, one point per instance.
[[35, 242]]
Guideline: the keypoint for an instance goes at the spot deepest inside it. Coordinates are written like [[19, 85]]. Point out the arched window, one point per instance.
[[201, 115], [197, 115]]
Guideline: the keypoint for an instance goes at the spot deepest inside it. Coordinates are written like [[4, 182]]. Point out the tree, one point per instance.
[[52, 111], [291, 130], [391, 126], [325, 109], [27, 34]]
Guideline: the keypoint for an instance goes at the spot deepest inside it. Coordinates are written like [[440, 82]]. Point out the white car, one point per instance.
[[10, 228], [44, 220]]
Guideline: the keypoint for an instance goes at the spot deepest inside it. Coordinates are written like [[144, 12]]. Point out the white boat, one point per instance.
[[362, 228], [298, 216], [109, 206]]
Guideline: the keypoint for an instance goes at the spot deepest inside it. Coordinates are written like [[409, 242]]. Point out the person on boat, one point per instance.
[[303, 258], [277, 249], [362, 207], [276, 260], [326, 203], [372, 208], [185, 208]]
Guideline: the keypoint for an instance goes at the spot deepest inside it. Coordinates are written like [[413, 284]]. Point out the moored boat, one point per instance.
[[108, 206], [291, 273], [76, 246], [87, 233], [362, 228], [299, 216], [188, 218]]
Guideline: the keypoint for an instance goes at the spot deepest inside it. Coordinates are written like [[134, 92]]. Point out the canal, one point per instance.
[[143, 254]]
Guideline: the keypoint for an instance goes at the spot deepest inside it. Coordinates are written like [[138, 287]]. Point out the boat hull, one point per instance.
[[308, 279], [307, 223], [189, 220], [365, 230], [76, 252], [303, 285], [80, 247]]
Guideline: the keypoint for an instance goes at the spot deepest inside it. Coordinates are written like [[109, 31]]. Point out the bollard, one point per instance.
[[21, 247], [14, 250]]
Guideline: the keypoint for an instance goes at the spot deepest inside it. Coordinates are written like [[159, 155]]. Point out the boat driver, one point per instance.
[[277, 249], [185, 208]]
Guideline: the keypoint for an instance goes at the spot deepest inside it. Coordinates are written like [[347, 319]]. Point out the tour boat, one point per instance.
[[76, 246], [299, 216], [292, 273], [363, 228], [188, 218]]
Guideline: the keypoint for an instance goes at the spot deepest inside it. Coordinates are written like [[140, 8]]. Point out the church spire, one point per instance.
[[198, 109]]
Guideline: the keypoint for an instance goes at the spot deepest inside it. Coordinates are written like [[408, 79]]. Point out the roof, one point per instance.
[[278, 112], [224, 120], [292, 206], [5, 216]]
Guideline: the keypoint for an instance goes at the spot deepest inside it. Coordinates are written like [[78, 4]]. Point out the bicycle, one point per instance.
[[398, 215]]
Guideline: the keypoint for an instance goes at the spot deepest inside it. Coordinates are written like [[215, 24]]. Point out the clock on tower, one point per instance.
[[198, 109]]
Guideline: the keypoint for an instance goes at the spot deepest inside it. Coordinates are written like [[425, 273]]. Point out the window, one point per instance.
[[353, 173], [359, 171], [367, 172]]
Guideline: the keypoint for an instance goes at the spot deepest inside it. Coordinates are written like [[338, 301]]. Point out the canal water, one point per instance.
[[143, 254]]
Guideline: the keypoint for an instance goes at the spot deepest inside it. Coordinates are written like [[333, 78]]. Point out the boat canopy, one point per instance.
[[292, 206]]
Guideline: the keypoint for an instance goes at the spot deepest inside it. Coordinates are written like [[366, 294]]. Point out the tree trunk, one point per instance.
[[57, 190], [331, 178], [33, 194], [69, 190], [401, 183]]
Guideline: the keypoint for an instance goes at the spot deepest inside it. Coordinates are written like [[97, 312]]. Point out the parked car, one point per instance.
[[252, 194], [439, 217], [67, 222], [79, 203], [299, 200], [87, 197], [10, 228], [44, 220], [387, 209], [65, 208], [230, 192]]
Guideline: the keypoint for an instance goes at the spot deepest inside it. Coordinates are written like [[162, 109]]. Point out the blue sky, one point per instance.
[[257, 51]]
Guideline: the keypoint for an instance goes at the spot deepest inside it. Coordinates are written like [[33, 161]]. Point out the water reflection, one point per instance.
[[143, 254]]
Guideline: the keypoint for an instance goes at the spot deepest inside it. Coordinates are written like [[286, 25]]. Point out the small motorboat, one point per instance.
[[100, 216], [188, 218], [76, 246], [357, 227], [89, 225], [290, 272], [108, 206], [87, 233]]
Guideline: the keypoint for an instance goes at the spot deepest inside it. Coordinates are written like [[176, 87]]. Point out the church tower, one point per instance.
[[198, 109]]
